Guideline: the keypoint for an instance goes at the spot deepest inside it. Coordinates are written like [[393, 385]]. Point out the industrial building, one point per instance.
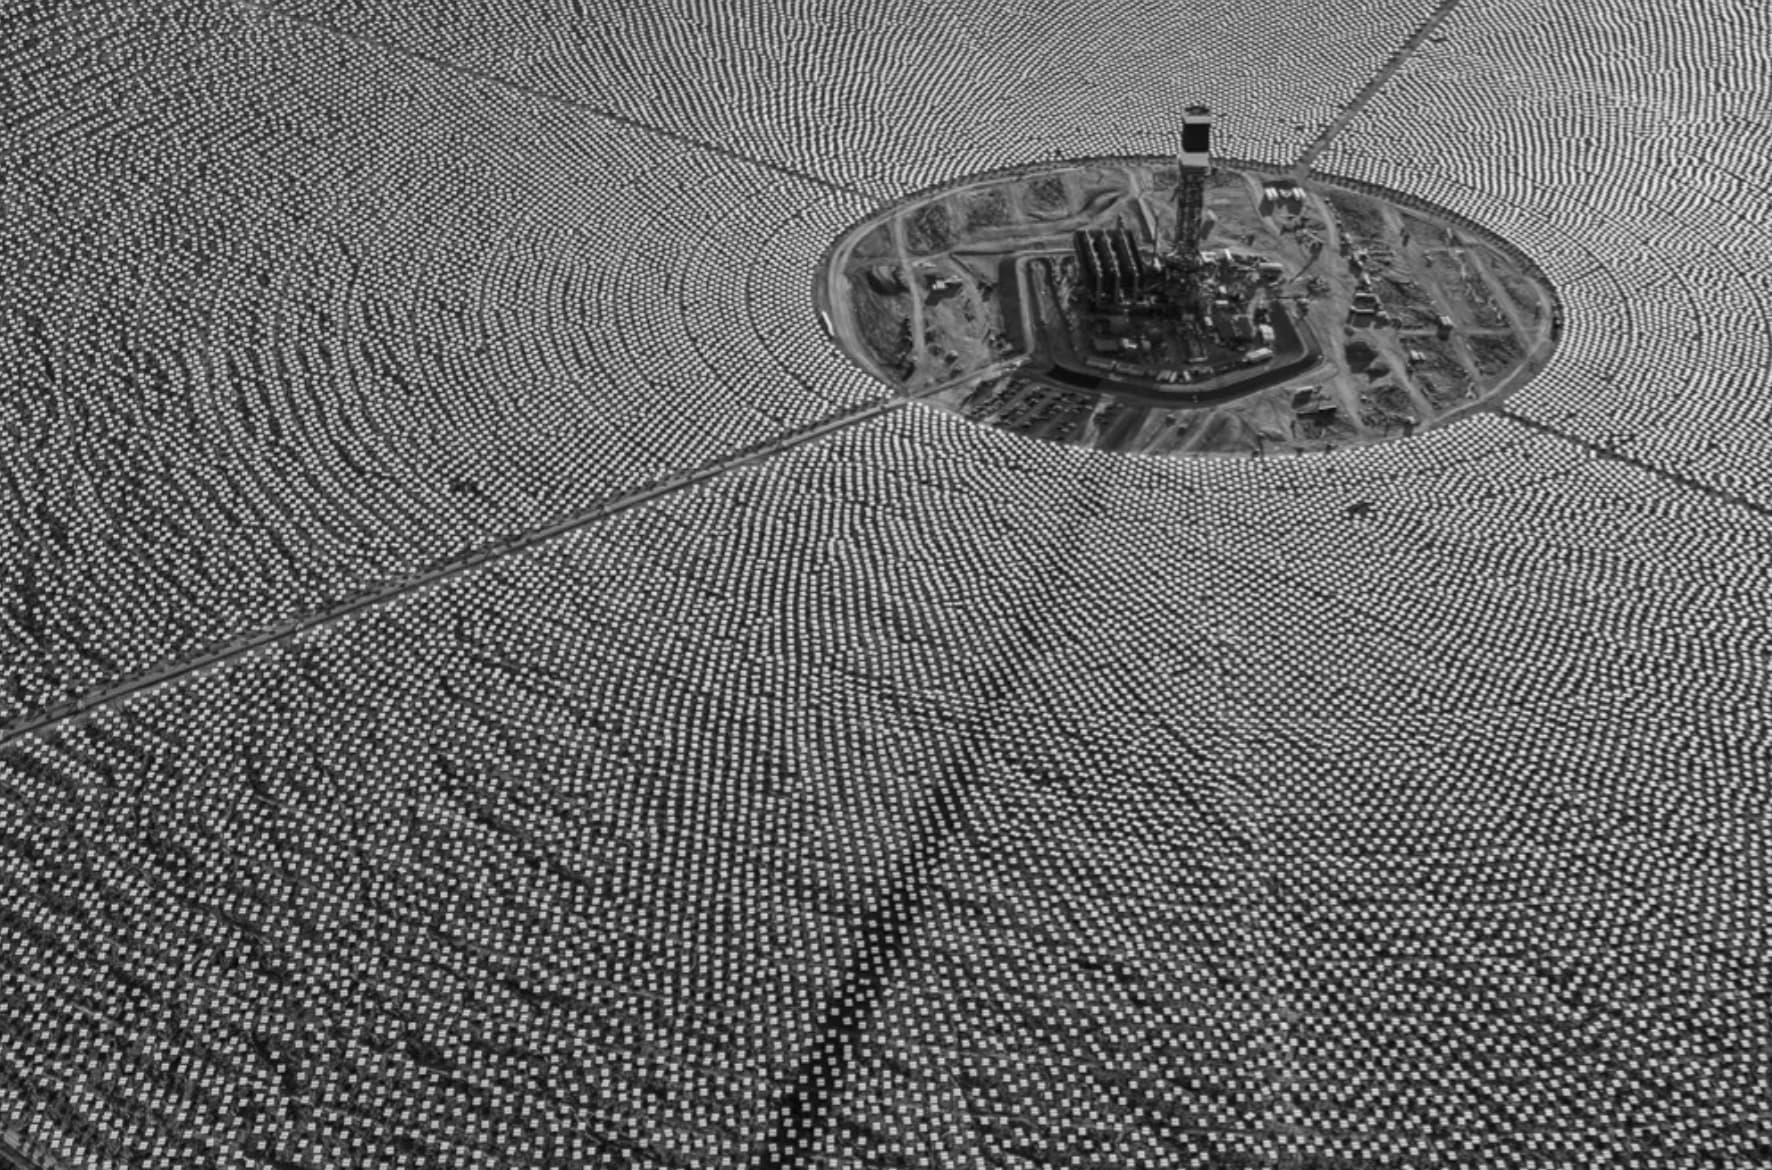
[[1109, 265]]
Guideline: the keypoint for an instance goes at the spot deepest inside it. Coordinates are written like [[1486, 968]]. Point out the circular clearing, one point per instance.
[[1116, 303]]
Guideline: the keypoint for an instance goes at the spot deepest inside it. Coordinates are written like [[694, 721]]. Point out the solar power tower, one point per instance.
[[1194, 163]]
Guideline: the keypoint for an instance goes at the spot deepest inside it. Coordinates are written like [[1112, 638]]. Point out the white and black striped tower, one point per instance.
[[1194, 164]]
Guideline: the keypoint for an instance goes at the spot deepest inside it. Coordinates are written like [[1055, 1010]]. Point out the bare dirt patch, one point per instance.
[[1519, 289], [874, 243], [1495, 354], [1360, 218], [988, 208], [930, 228], [1047, 197], [1409, 304], [884, 324], [1438, 374]]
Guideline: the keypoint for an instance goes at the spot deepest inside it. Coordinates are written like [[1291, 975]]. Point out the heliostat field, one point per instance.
[[487, 680]]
